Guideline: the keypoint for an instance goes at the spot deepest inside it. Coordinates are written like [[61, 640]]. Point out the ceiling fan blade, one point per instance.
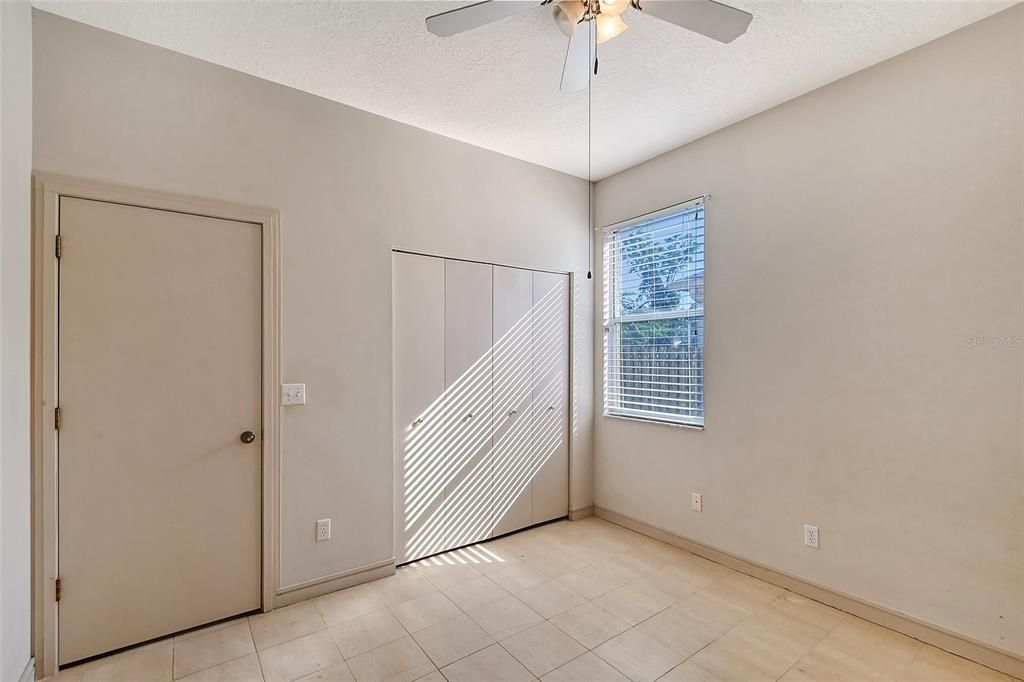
[[478, 14], [706, 17], [579, 58]]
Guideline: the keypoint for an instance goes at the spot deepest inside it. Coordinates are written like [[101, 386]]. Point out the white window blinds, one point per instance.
[[654, 317]]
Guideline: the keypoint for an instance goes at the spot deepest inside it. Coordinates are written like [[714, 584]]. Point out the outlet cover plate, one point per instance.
[[811, 536], [323, 530], [696, 502], [293, 394]]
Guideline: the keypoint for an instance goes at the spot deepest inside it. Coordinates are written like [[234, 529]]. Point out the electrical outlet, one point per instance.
[[811, 536], [696, 502], [323, 530], [293, 394]]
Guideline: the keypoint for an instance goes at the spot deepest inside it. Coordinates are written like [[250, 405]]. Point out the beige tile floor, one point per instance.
[[584, 601]]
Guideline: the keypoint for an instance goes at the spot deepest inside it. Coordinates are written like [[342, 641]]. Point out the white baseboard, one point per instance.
[[581, 513], [961, 645], [29, 673], [332, 583]]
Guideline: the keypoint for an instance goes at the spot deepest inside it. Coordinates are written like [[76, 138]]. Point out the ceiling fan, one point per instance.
[[589, 22]]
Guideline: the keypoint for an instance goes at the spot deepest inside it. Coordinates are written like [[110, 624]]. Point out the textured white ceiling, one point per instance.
[[659, 86]]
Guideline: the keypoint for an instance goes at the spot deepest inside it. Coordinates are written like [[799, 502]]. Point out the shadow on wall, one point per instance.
[[469, 456]]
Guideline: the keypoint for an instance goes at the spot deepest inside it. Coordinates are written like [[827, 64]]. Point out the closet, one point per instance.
[[481, 372]]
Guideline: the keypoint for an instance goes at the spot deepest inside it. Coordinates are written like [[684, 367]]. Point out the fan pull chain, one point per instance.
[[590, 172]]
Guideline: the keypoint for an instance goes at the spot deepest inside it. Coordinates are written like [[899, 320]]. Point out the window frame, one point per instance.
[[612, 315]]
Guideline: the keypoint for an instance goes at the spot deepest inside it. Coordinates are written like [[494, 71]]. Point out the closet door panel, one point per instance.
[[468, 411], [419, 385], [511, 457], [550, 414]]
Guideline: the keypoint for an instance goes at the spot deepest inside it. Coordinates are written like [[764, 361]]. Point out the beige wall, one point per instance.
[[15, 298], [350, 186], [858, 239]]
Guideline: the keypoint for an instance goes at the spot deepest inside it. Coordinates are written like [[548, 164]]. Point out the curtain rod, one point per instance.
[[700, 198]]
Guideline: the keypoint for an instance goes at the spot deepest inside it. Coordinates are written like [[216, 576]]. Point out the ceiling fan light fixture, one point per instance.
[[609, 26], [588, 22], [613, 8], [567, 15]]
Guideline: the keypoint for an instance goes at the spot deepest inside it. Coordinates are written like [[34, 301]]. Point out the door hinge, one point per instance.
[[56, 247], [57, 588], [56, 418]]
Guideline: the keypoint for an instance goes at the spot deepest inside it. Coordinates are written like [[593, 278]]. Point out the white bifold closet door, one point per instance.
[[467, 402], [418, 403], [481, 401], [550, 413], [512, 383]]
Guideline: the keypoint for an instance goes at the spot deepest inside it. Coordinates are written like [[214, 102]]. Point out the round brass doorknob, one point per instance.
[[247, 437]]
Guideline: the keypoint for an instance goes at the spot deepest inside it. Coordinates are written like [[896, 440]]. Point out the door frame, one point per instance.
[[47, 189]]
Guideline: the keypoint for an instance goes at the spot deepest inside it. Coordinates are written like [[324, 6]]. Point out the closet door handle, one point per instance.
[[513, 412], [417, 421], [467, 417], [551, 408]]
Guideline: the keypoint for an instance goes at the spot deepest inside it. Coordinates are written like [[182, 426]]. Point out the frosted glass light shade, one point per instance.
[[567, 14], [614, 8], [609, 26]]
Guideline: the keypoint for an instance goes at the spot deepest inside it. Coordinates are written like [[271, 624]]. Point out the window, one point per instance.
[[654, 317]]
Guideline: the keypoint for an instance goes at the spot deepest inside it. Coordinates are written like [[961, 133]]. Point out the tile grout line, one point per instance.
[[611, 665], [174, 648], [290, 639], [727, 631], [330, 636], [417, 644], [920, 648], [466, 613], [517, 660], [812, 648], [259, 661], [719, 637], [408, 633], [211, 667]]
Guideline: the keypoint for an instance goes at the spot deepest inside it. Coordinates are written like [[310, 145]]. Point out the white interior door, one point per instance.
[[512, 491], [419, 417], [159, 375], [550, 414], [467, 402]]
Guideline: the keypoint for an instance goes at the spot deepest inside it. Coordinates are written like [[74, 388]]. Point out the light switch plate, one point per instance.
[[293, 394], [696, 502]]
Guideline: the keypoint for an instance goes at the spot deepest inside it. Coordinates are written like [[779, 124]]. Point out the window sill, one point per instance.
[[648, 420]]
